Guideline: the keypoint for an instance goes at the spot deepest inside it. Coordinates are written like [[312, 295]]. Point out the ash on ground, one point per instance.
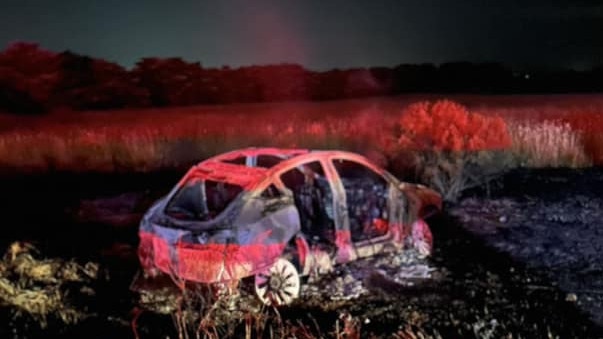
[[553, 223], [521, 261], [348, 282]]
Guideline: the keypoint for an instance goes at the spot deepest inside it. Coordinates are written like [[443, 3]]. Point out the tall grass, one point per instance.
[[181, 142], [148, 140], [548, 144], [593, 146], [583, 114]]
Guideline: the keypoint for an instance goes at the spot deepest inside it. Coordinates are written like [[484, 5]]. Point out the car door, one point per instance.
[[365, 204], [313, 194]]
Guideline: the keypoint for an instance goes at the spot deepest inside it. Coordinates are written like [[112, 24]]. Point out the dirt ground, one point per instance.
[[522, 259]]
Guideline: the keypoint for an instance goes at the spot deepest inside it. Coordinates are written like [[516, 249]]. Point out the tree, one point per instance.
[[88, 83], [28, 76], [170, 81]]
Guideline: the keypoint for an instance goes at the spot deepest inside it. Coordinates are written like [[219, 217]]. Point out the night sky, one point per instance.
[[318, 34]]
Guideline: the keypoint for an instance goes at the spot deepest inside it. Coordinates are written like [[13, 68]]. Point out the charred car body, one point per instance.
[[276, 214]]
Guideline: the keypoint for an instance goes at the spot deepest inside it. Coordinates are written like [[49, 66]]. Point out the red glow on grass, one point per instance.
[[591, 126], [150, 139], [583, 114]]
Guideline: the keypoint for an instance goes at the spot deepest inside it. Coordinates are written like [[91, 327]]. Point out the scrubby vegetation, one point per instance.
[[439, 142], [452, 148]]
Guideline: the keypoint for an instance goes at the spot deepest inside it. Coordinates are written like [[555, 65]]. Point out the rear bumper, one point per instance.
[[205, 263]]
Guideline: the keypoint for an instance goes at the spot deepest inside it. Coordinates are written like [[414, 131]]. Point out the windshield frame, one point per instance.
[[204, 214]]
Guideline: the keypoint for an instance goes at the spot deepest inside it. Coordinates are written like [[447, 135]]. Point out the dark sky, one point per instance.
[[319, 34]]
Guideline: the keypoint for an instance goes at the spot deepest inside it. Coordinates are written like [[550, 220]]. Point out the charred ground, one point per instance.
[[522, 259]]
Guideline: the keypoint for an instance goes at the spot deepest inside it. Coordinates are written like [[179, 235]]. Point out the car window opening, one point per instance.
[[366, 197], [242, 160], [202, 200], [268, 161]]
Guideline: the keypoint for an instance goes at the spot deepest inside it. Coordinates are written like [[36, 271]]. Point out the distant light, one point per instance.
[[526, 76]]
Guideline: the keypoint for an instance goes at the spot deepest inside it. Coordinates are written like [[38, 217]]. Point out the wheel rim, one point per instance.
[[279, 284]]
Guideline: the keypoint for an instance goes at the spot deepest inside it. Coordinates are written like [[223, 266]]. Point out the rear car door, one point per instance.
[[366, 205]]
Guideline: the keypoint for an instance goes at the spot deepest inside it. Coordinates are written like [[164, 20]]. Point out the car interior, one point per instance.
[[314, 201]]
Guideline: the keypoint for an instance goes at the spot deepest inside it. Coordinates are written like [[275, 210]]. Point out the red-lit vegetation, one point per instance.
[[445, 125], [439, 142], [583, 116], [548, 143], [142, 140], [451, 148]]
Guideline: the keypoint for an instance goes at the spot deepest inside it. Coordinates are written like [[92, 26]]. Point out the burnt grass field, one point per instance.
[[522, 258]]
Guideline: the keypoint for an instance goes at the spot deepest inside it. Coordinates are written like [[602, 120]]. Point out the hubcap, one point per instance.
[[279, 284]]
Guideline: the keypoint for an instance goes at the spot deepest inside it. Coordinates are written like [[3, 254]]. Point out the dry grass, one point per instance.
[[593, 146], [146, 145], [146, 140], [583, 114], [37, 287], [548, 144]]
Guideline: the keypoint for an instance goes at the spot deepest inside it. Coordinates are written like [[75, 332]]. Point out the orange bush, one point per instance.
[[449, 126]]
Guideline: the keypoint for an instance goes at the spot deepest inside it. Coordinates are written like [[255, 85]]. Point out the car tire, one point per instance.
[[279, 284]]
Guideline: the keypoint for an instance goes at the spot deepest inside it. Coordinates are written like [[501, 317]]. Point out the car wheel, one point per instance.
[[422, 239], [279, 284]]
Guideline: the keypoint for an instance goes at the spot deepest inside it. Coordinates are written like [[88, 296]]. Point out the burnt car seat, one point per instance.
[[367, 203]]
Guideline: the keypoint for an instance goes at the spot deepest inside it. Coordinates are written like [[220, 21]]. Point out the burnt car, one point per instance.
[[277, 214]]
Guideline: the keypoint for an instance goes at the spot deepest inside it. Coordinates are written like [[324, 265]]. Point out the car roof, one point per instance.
[[240, 175], [217, 169], [256, 151]]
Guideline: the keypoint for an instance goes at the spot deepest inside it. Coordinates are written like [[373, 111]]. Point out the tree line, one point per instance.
[[34, 80]]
